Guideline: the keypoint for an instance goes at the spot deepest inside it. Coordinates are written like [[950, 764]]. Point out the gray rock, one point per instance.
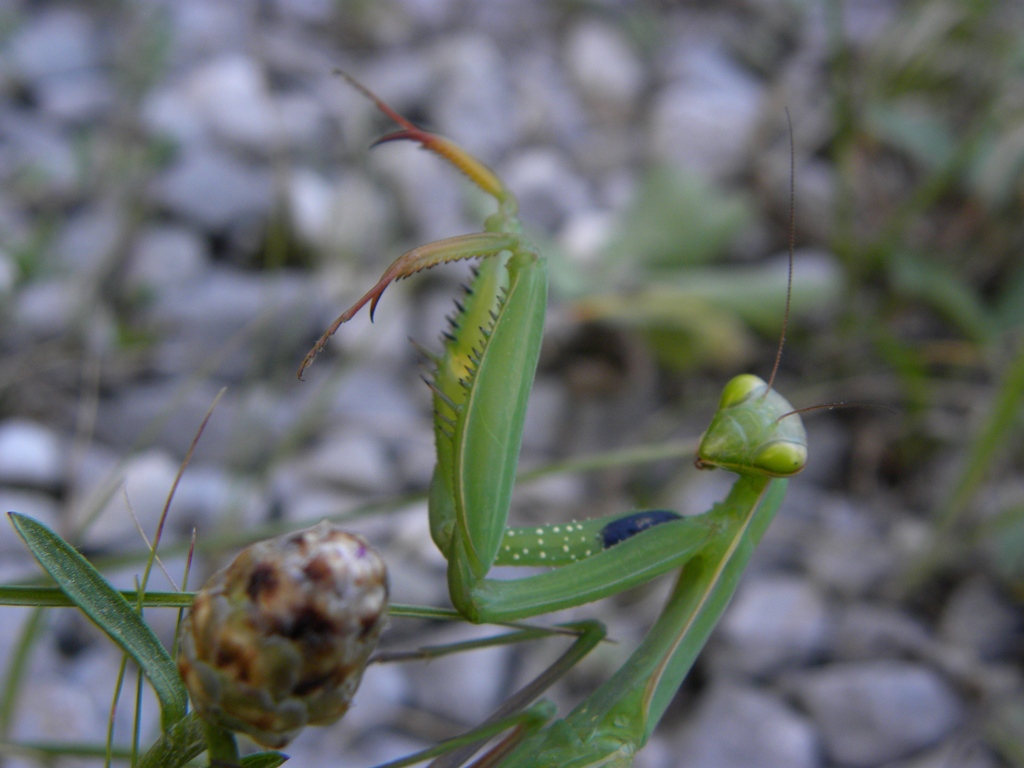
[[98, 667], [772, 622], [845, 550], [38, 162], [430, 15], [548, 189], [474, 105], [243, 431], [956, 752], [977, 619], [381, 699], [549, 108], [31, 455], [605, 68], [338, 217], [351, 459], [75, 98], [145, 480], [739, 727], [89, 239], [56, 41], [872, 712], [414, 454], [461, 686], [545, 416], [166, 112], [231, 97], [49, 707], [47, 308], [868, 631], [166, 256], [372, 396], [208, 498], [306, 11], [203, 321], [303, 504], [705, 119], [585, 236], [202, 28], [213, 190]]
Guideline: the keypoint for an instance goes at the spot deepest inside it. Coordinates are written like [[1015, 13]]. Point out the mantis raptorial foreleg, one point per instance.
[[481, 381]]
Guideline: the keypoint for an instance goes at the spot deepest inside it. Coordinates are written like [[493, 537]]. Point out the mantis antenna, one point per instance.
[[792, 240]]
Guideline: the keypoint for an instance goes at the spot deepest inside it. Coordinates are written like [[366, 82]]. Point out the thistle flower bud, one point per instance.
[[279, 638]]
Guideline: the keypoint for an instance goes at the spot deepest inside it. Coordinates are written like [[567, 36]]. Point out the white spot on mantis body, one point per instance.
[[540, 531], [515, 556], [565, 548], [540, 541], [543, 554]]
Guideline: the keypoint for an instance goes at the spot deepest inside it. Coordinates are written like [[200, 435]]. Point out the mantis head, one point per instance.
[[755, 430]]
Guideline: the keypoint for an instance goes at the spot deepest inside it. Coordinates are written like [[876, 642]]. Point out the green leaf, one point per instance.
[[678, 219], [930, 281], [264, 760], [912, 128], [86, 588]]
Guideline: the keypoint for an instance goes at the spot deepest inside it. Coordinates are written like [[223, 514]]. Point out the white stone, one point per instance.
[[585, 236], [463, 686], [705, 120], [145, 481], [474, 105], [773, 621], [56, 41], [604, 67], [338, 217], [58, 708], [873, 712], [30, 454], [547, 187], [76, 98], [213, 189], [166, 255], [351, 460], [737, 727]]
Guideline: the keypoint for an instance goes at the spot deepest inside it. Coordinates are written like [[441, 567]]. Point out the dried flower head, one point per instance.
[[279, 638]]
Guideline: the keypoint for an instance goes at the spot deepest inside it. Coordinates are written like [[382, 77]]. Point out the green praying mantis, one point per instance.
[[481, 381]]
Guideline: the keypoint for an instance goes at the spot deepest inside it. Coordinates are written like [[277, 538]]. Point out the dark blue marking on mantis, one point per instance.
[[629, 526]]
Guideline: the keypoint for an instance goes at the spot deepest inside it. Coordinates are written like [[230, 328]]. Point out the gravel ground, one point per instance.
[[188, 201]]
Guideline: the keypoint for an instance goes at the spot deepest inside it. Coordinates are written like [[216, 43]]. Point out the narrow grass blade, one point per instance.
[[88, 590]]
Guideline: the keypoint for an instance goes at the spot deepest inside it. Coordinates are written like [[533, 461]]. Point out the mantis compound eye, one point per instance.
[[740, 389], [279, 639], [781, 459]]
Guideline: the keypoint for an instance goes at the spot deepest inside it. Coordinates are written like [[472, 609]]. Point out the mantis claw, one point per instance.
[[474, 246]]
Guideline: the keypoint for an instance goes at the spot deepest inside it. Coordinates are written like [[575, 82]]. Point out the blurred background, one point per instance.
[[188, 200]]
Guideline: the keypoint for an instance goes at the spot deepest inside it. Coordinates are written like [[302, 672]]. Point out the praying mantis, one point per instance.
[[481, 381]]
